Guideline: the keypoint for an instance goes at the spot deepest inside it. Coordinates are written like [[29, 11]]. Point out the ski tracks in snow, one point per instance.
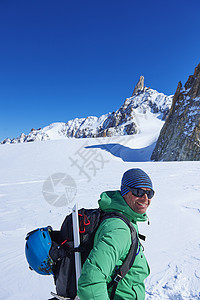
[[20, 182], [178, 281]]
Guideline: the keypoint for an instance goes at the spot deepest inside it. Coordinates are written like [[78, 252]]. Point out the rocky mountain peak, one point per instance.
[[180, 136], [139, 86], [193, 83]]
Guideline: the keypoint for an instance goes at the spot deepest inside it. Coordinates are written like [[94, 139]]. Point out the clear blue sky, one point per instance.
[[61, 59]]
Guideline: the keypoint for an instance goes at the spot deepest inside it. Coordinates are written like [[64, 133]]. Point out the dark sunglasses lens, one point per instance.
[[150, 194], [140, 192]]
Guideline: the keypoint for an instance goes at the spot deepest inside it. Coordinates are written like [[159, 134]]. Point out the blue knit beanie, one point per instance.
[[135, 178]]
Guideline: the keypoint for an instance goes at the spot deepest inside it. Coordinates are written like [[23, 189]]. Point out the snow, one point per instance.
[[144, 100], [172, 246]]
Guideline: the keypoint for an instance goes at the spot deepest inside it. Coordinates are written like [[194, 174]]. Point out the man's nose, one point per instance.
[[145, 197]]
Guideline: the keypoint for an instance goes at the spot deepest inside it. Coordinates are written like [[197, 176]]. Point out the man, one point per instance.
[[113, 239]]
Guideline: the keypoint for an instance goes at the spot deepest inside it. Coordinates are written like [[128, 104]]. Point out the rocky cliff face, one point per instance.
[[124, 121], [180, 136]]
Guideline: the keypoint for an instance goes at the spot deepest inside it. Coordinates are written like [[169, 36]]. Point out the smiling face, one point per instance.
[[138, 204]]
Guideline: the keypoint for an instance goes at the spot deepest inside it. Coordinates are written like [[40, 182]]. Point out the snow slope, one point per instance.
[[172, 246]]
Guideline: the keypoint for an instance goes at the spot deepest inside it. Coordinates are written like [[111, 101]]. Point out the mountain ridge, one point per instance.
[[124, 121]]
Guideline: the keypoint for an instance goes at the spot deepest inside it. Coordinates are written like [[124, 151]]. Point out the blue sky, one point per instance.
[[74, 58]]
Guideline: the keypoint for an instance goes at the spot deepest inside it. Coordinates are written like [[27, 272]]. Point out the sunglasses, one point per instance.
[[138, 192]]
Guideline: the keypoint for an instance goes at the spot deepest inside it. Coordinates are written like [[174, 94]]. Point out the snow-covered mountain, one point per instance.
[[145, 102]]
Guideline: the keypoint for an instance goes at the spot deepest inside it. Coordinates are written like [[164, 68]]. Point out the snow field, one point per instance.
[[172, 247]]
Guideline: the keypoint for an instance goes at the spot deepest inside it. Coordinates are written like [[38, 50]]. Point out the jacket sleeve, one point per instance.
[[112, 242]]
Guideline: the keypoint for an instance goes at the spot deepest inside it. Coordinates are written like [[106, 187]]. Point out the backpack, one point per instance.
[[62, 250]]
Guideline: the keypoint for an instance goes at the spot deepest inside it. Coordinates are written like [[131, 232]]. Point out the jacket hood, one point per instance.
[[113, 201]]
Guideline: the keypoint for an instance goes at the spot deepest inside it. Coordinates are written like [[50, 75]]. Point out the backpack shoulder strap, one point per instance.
[[128, 262]]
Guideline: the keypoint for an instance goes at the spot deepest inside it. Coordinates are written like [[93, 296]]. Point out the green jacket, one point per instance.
[[111, 245]]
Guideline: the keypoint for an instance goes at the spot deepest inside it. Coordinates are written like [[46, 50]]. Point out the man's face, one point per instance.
[[138, 204]]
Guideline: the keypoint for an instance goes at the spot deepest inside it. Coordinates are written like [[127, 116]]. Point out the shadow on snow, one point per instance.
[[125, 153]]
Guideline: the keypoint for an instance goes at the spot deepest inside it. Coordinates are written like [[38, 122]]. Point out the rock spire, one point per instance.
[[139, 86]]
